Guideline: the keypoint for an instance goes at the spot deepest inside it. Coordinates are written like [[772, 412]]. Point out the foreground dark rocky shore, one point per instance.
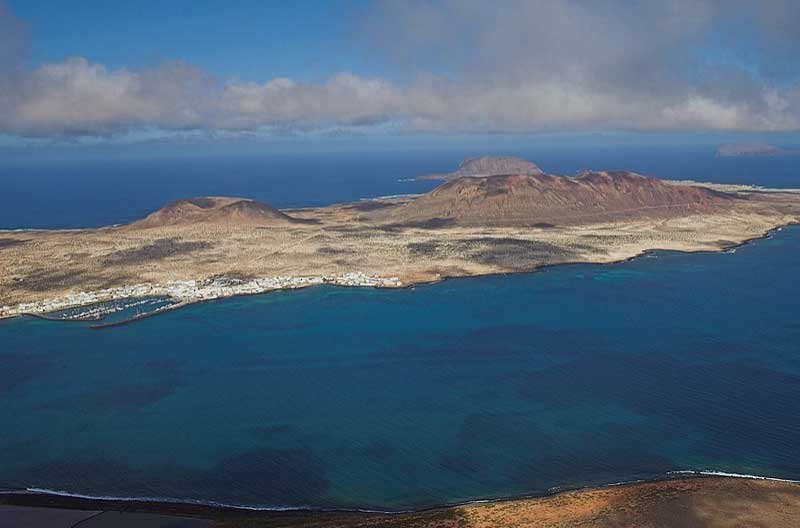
[[696, 501]]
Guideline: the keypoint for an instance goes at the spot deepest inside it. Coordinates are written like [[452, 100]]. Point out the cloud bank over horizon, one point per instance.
[[467, 67]]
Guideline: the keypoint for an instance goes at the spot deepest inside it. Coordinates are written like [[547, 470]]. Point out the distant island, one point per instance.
[[475, 223], [487, 166], [753, 149]]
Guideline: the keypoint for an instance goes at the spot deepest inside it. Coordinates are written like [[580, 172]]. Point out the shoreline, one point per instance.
[[207, 509], [342, 280]]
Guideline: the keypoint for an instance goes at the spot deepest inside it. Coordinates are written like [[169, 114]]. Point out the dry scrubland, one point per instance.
[[369, 237]]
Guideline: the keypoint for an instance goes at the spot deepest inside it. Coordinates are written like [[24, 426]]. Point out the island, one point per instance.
[[753, 149], [486, 166], [211, 247]]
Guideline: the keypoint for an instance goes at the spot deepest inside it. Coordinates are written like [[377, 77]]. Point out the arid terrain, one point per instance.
[[471, 225], [701, 502]]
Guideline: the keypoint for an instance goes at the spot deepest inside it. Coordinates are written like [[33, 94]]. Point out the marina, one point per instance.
[[96, 305]]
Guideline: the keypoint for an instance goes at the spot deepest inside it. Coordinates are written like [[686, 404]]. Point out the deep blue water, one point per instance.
[[471, 388], [93, 193]]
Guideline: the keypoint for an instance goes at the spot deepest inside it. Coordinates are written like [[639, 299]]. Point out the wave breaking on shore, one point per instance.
[[154, 503]]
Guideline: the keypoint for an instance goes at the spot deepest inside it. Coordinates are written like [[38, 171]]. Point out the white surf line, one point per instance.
[[390, 196], [551, 491], [197, 502], [164, 500], [714, 473]]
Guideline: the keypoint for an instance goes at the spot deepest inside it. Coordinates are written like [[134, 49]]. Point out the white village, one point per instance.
[[189, 291]]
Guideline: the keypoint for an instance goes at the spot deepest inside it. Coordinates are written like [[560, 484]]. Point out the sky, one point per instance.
[[117, 73]]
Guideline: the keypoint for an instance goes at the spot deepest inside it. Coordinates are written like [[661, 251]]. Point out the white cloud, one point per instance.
[[343, 100], [472, 66], [76, 93]]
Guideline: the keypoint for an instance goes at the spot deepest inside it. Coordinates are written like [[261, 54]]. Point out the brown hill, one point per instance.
[[214, 210], [488, 166], [531, 199]]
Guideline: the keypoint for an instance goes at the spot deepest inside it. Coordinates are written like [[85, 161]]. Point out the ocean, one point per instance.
[[468, 389]]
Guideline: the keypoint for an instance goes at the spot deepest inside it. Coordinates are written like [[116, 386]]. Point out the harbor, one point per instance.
[[96, 305]]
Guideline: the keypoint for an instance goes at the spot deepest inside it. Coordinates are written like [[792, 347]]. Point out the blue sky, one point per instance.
[[91, 73], [248, 39]]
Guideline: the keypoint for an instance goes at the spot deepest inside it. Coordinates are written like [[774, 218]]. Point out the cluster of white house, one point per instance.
[[197, 290]]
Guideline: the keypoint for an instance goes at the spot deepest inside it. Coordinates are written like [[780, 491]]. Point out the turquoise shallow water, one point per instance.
[[471, 388]]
